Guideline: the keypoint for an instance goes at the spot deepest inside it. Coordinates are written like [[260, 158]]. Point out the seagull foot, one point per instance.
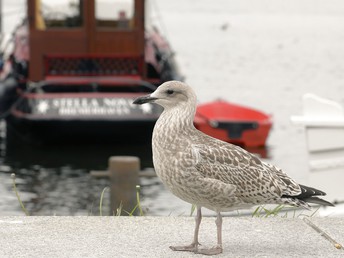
[[186, 248], [210, 251]]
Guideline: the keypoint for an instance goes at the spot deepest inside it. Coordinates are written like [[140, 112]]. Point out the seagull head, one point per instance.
[[171, 94]]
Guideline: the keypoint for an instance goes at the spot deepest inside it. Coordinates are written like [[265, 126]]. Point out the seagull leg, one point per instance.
[[218, 248], [193, 247]]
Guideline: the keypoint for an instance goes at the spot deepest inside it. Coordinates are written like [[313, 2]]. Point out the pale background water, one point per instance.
[[262, 53]]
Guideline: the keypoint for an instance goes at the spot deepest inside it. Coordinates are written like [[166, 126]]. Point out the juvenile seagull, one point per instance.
[[211, 173]]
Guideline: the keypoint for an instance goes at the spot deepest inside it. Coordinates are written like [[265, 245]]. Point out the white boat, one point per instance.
[[323, 121]]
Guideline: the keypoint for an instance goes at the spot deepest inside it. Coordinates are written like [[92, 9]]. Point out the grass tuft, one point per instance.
[[262, 212], [119, 210], [138, 188], [193, 208], [13, 176], [136, 207], [101, 201]]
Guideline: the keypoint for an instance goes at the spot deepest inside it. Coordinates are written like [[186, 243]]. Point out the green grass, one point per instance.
[[101, 201], [120, 211], [13, 176], [193, 208], [138, 204], [280, 210], [262, 212]]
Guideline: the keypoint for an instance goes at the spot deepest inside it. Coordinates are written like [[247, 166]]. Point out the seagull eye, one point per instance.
[[170, 92]]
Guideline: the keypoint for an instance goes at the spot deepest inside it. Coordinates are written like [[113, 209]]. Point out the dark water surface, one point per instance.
[[56, 180]]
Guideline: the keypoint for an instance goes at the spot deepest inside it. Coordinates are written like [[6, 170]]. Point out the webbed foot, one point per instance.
[[187, 248], [210, 251]]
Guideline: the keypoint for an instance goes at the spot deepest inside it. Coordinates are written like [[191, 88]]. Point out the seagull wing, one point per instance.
[[251, 176]]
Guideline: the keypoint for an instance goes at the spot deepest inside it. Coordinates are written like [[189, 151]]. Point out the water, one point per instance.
[[56, 180]]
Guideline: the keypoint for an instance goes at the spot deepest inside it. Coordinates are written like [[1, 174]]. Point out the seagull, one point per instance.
[[210, 173]]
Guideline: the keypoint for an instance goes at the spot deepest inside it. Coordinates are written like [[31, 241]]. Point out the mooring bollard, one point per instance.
[[124, 178]]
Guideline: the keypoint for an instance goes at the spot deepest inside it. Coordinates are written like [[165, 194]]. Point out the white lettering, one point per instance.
[[91, 106]]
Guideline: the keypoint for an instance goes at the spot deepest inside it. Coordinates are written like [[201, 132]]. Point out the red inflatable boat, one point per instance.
[[233, 123]]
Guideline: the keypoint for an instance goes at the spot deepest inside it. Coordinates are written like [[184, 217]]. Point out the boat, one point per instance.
[[76, 68], [323, 122], [233, 123]]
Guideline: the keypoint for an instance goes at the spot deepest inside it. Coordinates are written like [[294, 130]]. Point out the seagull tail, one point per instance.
[[319, 201], [308, 194]]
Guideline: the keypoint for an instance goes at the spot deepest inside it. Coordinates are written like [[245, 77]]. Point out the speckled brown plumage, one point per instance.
[[210, 173]]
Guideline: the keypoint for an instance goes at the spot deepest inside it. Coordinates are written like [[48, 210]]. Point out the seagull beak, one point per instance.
[[144, 99]]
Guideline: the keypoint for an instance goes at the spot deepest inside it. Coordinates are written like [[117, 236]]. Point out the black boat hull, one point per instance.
[[78, 131]]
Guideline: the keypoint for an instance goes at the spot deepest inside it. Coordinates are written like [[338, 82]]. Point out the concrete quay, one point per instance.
[[151, 236]]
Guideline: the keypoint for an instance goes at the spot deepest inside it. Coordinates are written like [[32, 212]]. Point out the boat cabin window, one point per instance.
[[118, 14], [58, 14]]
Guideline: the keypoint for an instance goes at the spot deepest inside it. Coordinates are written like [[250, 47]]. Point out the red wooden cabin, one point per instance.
[[89, 60]]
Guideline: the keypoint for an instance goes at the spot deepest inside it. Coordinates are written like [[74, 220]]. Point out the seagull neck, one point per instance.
[[178, 120]]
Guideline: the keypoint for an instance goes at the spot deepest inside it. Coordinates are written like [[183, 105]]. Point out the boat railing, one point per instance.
[[93, 65]]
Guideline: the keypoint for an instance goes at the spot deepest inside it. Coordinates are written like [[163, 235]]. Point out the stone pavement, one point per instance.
[[151, 236]]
